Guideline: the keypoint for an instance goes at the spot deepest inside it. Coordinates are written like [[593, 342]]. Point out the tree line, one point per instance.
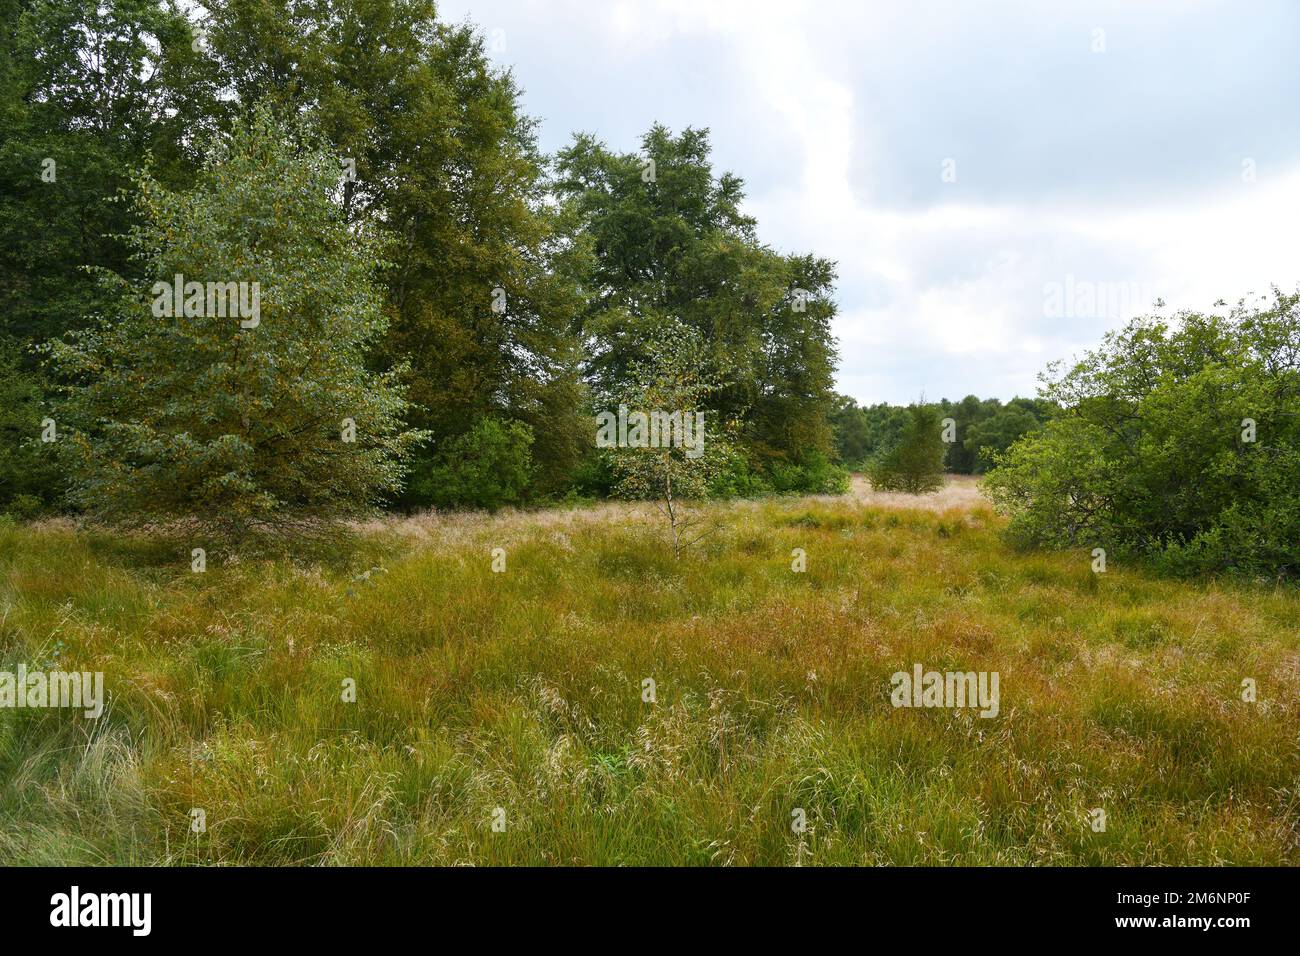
[[980, 429], [292, 262], [472, 301]]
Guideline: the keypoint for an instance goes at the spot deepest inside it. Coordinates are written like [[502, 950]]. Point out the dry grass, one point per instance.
[[523, 691], [960, 492]]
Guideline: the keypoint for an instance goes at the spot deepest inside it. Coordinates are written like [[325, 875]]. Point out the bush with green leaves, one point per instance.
[[29, 476], [489, 466], [265, 423], [1179, 440], [815, 475], [914, 463], [675, 377], [737, 478]]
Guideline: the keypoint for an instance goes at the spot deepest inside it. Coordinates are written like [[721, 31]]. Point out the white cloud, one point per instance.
[[839, 115]]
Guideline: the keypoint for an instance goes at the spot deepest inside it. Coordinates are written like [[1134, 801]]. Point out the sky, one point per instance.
[[999, 182]]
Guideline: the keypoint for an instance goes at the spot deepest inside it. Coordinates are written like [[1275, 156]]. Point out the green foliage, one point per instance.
[[990, 437], [29, 480], [489, 466], [852, 435], [447, 167], [736, 478], [915, 463], [675, 378], [82, 84], [1151, 453], [594, 476], [816, 476], [449, 176], [863, 434], [967, 412], [210, 421], [672, 243]]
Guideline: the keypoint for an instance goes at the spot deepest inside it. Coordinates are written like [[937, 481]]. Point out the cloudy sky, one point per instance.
[[1000, 182]]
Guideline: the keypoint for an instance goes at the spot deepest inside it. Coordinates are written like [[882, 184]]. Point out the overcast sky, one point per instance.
[[1000, 182]]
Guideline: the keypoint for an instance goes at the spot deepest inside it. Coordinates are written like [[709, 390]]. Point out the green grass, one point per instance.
[[523, 690]]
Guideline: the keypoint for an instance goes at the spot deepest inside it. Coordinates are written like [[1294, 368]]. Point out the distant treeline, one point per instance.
[[981, 429]]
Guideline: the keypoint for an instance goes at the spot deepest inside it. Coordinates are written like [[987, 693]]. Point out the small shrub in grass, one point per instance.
[[674, 379], [915, 463]]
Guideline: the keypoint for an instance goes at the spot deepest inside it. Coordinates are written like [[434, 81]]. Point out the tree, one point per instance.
[[447, 166], [990, 437], [261, 421], [965, 414], [884, 429], [652, 459], [83, 101], [852, 433], [915, 463], [1178, 440], [658, 235]]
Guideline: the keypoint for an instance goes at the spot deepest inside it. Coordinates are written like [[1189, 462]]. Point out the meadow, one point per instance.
[[501, 717]]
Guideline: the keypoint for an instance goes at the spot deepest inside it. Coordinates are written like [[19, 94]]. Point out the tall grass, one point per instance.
[[523, 691]]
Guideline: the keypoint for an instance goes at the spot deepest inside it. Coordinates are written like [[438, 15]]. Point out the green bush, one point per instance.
[[738, 480], [824, 477], [1177, 440], [915, 462], [816, 475], [489, 466], [29, 476], [24, 507], [594, 476]]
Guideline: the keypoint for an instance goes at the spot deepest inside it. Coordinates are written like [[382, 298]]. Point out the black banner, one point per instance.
[[332, 906]]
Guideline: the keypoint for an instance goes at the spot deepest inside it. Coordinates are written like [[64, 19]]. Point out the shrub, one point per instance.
[[1180, 441], [489, 466], [29, 477], [816, 475], [824, 477], [915, 463], [594, 476], [737, 479], [25, 507]]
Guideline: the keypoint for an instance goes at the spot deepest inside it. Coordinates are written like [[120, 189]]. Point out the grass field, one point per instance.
[[523, 690]]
